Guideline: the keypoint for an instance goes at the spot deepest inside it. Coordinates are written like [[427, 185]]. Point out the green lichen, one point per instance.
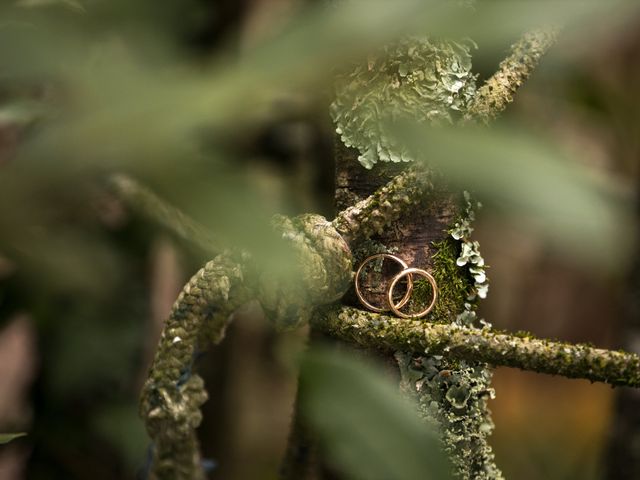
[[417, 77], [470, 256], [453, 394]]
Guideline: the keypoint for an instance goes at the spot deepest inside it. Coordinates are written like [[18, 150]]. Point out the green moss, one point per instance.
[[454, 284]]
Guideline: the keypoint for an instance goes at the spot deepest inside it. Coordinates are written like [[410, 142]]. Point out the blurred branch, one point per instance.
[[493, 97], [496, 348], [146, 203]]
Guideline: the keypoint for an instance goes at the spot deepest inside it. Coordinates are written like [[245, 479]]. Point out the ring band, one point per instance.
[[403, 301], [410, 272]]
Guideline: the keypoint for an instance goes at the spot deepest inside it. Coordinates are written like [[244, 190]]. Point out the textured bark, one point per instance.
[[421, 217], [407, 216], [375, 211]]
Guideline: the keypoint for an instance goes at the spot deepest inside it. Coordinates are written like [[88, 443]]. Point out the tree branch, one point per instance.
[[147, 204], [481, 345], [493, 97], [172, 396]]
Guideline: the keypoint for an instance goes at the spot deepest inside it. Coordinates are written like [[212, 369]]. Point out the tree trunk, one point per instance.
[[422, 240]]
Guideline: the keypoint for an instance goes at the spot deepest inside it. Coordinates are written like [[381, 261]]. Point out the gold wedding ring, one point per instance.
[[403, 301], [410, 272]]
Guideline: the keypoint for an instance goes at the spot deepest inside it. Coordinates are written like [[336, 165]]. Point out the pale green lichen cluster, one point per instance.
[[470, 250], [471, 258], [416, 77], [454, 396]]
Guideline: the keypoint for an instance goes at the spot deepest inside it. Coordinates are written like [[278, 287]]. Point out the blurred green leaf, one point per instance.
[[7, 437], [122, 426], [528, 179], [130, 104], [164, 103], [368, 430], [71, 4]]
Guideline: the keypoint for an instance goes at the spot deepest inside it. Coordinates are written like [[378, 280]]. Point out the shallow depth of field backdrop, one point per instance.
[[221, 106]]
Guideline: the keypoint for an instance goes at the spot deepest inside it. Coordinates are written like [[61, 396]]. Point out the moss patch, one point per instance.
[[454, 284]]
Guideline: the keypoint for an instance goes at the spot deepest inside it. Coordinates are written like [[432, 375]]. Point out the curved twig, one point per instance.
[[147, 204]]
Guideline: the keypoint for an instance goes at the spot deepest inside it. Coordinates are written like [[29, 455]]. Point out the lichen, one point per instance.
[[420, 77], [454, 394], [470, 250]]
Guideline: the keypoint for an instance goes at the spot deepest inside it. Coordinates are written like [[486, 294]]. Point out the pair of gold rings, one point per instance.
[[405, 272]]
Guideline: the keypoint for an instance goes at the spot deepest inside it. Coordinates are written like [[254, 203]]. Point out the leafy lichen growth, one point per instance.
[[454, 395], [419, 77], [470, 252]]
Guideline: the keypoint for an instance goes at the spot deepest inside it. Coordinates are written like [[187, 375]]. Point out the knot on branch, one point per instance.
[[174, 411], [322, 274]]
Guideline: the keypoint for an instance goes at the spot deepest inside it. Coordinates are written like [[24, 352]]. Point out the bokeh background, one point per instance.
[[85, 284]]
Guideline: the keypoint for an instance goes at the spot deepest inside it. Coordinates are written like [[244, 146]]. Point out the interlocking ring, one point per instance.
[[403, 301], [410, 272]]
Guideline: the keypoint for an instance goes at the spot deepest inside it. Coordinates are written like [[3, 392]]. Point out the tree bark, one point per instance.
[[415, 238]]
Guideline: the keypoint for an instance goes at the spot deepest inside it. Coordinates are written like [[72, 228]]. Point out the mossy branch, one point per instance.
[[146, 203], [493, 97], [172, 396], [481, 345]]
